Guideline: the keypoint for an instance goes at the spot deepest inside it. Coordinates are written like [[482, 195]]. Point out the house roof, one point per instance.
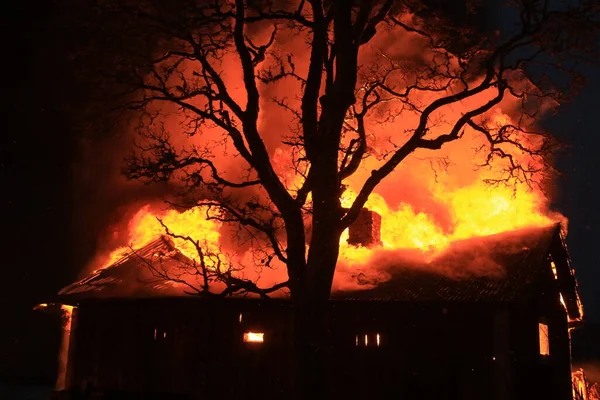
[[511, 266], [131, 275], [499, 268], [514, 262]]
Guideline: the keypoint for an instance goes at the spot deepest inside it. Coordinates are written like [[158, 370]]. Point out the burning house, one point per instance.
[[453, 281], [421, 334]]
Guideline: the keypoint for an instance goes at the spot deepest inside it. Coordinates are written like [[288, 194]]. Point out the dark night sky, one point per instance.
[[579, 191], [42, 243]]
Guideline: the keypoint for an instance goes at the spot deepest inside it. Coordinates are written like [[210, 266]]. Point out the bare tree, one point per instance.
[[214, 62], [211, 274]]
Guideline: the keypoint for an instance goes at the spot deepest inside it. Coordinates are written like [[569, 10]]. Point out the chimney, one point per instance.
[[366, 230]]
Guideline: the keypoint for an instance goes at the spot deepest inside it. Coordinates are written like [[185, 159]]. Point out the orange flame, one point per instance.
[[63, 356], [145, 226], [422, 207], [475, 210]]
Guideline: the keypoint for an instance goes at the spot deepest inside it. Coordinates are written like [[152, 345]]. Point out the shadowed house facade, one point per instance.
[[422, 334]]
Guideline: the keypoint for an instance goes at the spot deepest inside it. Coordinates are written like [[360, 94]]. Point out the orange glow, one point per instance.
[[366, 340], [562, 301], [378, 340], [580, 307], [544, 339], [434, 197], [427, 204], [145, 227], [583, 388], [63, 356], [476, 210], [554, 271], [561, 297], [40, 306], [579, 384], [253, 337]]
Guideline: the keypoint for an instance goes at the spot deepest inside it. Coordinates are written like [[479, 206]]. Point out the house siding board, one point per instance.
[[501, 354]]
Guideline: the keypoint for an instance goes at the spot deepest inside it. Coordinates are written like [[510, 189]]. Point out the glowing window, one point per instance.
[[373, 341], [544, 340], [254, 337]]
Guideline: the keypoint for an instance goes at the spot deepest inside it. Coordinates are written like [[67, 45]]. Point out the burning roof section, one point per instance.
[[522, 260], [132, 275]]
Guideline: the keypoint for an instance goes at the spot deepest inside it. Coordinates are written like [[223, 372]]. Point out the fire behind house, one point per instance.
[[421, 334]]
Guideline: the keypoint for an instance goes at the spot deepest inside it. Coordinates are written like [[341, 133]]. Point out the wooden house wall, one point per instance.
[[426, 350], [188, 348], [535, 375]]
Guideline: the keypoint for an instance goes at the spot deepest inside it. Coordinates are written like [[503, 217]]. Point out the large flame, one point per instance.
[[424, 206], [421, 208], [148, 225], [476, 211], [583, 389]]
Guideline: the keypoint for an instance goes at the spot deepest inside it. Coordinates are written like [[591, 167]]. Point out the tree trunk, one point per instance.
[[312, 344], [312, 349]]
